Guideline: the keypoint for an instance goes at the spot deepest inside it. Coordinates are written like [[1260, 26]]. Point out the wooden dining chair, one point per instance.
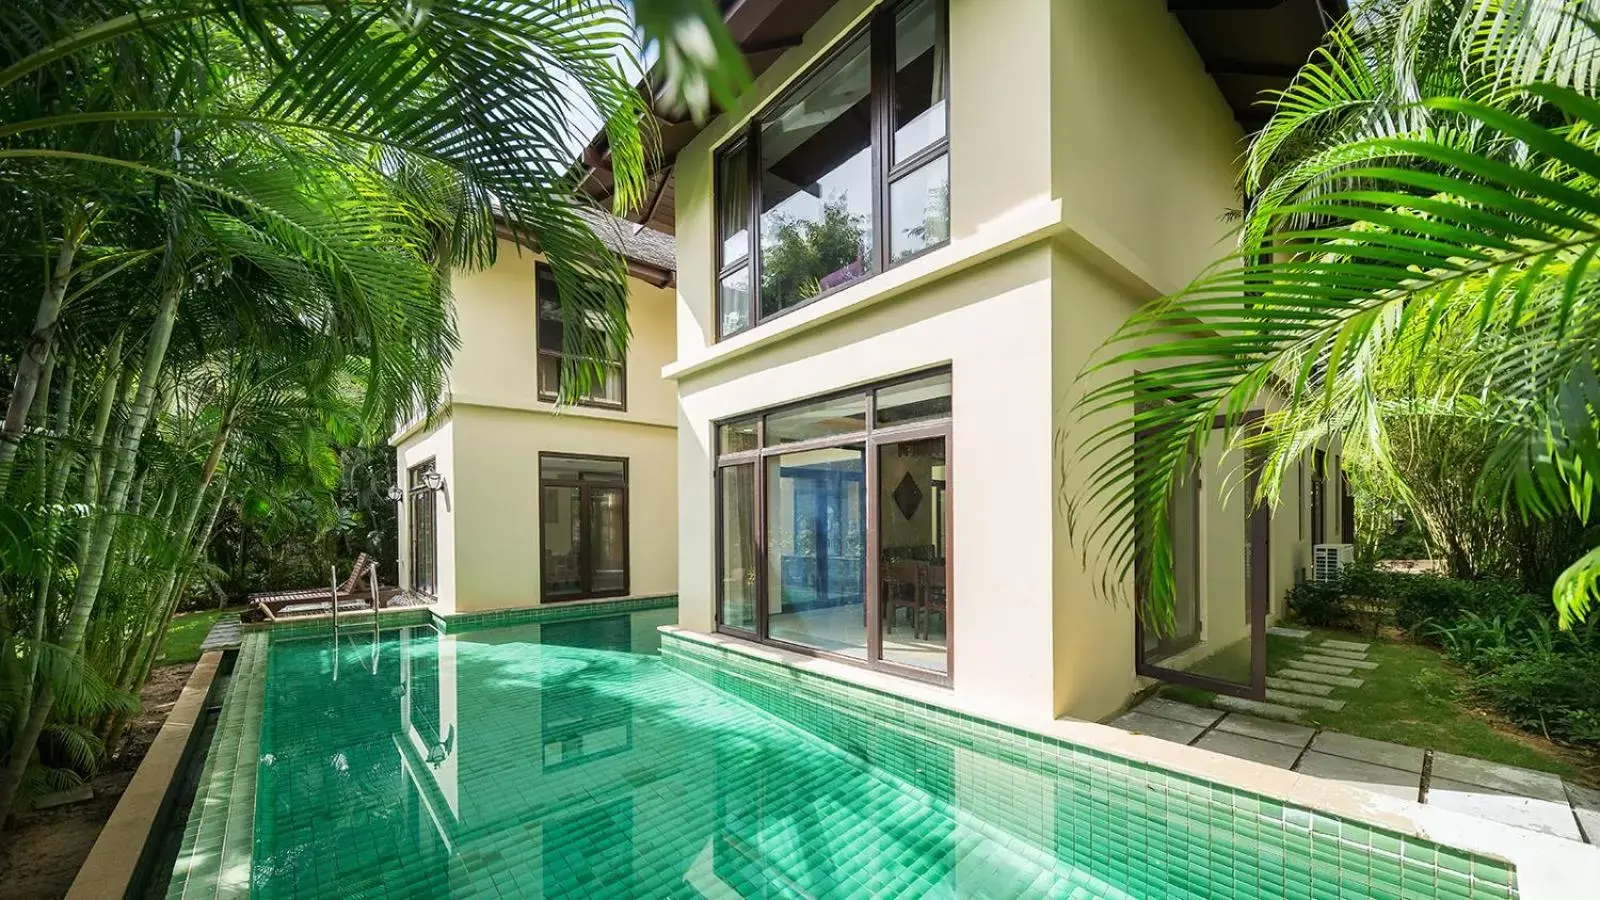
[[902, 587]]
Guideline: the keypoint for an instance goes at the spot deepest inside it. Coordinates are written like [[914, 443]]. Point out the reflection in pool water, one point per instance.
[[567, 760]]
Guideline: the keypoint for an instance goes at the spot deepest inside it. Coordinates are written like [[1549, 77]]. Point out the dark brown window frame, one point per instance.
[[542, 273], [585, 548], [885, 172], [871, 437], [418, 495], [1319, 498]]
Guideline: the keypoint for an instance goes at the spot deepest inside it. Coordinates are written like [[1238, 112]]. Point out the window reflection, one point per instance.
[[816, 534], [816, 185]]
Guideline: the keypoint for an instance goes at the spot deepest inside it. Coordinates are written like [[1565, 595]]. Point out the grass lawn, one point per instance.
[[1414, 697], [185, 634]]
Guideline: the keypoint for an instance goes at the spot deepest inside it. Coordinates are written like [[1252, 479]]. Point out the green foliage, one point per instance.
[[799, 253], [1419, 252], [1517, 658]]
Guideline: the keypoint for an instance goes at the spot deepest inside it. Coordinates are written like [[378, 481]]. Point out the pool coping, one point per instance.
[[216, 854], [1547, 867], [456, 623], [115, 859]]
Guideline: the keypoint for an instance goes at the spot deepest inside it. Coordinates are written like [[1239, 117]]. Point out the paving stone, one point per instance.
[[1155, 726], [1373, 777], [1257, 708], [1510, 809], [1321, 660], [1296, 736], [1300, 674], [1346, 645], [1306, 665], [1586, 806], [1268, 753], [1296, 633], [1510, 779], [1383, 753], [77, 794], [1299, 687], [1182, 712], [1290, 698], [1325, 650]]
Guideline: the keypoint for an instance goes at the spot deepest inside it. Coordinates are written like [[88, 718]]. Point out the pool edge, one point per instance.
[[1546, 867]]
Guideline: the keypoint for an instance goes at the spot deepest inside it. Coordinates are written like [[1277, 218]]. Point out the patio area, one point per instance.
[[1515, 796]]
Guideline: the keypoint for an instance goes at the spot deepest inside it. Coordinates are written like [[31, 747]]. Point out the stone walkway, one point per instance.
[[224, 635], [1522, 797], [1317, 678]]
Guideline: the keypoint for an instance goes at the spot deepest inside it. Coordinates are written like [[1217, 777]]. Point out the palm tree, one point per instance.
[[1406, 253]]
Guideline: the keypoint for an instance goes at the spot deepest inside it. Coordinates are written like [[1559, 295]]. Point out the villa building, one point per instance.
[[511, 501], [893, 260]]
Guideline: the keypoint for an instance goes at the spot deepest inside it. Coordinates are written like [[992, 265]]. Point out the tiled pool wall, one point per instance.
[[214, 857], [1159, 833], [550, 612]]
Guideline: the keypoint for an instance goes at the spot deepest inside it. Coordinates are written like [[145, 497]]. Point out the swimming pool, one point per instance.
[[570, 759]]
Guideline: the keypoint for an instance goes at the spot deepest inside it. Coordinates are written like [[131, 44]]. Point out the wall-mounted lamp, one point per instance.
[[433, 479], [395, 493]]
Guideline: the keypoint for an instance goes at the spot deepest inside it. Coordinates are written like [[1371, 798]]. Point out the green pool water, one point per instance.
[[569, 760]]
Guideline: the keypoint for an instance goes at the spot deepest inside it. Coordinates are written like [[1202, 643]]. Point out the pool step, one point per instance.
[[1290, 698], [1256, 708]]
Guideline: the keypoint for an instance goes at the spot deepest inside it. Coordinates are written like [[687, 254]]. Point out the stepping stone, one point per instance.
[[1336, 661], [1325, 650], [1585, 805], [1182, 712], [1371, 776], [77, 794], [1346, 645], [1296, 633], [1296, 736], [1324, 668], [1155, 726], [1257, 708], [1499, 777], [1523, 812], [1290, 698], [1319, 677], [1268, 753], [1383, 753], [1299, 687]]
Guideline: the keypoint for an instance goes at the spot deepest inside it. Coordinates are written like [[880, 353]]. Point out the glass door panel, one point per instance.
[[608, 541], [562, 566], [913, 568], [816, 535], [739, 560], [1218, 639]]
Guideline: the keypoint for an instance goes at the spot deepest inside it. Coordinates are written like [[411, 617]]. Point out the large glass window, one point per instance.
[[553, 327], [847, 174], [833, 524], [583, 504]]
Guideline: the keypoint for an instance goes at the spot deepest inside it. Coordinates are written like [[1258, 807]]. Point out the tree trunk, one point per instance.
[[54, 492], [89, 579], [36, 353]]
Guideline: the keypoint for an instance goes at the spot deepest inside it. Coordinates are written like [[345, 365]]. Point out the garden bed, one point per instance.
[[43, 849]]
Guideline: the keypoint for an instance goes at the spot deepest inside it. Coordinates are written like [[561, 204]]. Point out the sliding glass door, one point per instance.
[[833, 524]]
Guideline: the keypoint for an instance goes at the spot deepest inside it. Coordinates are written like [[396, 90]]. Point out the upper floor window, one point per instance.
[[847, 174], [552, 326]]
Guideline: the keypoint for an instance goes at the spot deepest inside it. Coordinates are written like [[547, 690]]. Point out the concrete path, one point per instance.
[[1522, 797]]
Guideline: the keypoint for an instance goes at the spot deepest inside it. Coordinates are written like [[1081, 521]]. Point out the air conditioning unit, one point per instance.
[[1328, 560]]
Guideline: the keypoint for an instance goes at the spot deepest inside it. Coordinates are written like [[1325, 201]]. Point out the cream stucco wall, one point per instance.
[[489, 512], [438, 444], [1092, 167]]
